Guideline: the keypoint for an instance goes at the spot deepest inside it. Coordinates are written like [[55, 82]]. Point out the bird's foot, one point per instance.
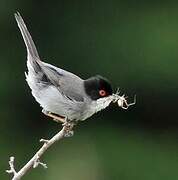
[[68, 124]]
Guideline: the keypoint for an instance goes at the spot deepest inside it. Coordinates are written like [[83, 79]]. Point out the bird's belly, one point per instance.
[[52, 100]]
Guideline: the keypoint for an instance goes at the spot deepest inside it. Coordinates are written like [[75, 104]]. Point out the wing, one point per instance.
[[40, 72], [67, 83]]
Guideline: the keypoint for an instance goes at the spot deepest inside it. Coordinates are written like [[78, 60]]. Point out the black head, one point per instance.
[[97, 87]]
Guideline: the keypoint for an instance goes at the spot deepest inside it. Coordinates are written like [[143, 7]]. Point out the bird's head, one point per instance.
[[97, 87]]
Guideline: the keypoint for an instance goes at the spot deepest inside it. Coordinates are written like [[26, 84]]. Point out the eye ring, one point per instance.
[[102, 93]]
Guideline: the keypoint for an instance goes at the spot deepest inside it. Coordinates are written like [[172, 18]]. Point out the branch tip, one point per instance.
[[11, 164], [44, 141]]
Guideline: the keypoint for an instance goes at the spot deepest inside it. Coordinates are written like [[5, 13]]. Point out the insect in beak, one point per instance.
[[122, 100]]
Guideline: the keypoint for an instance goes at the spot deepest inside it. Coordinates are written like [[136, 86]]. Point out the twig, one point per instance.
[[66, 131], [11, 164]]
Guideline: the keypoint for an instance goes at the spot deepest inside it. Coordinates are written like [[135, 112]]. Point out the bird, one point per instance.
[[62, 94]]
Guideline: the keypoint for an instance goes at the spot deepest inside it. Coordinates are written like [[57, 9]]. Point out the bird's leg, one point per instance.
[[54, 116], [67, 123]]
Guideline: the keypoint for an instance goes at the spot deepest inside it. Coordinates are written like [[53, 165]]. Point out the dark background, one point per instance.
[[132, 43]]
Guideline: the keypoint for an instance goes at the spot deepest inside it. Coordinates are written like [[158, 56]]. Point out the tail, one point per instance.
[[30, 45]]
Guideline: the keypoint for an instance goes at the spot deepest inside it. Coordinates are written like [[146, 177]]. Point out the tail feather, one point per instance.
[[30, 45]]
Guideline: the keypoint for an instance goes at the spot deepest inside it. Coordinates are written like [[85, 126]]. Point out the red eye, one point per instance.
[[102, 93]]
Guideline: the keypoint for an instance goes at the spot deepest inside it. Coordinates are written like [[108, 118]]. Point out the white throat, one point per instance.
[[101, 103]]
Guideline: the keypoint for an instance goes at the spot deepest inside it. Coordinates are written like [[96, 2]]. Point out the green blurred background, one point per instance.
[[132, 43]]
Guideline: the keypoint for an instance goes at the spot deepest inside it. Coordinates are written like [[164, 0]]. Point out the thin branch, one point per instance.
[[11, 164], [66, 131]]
